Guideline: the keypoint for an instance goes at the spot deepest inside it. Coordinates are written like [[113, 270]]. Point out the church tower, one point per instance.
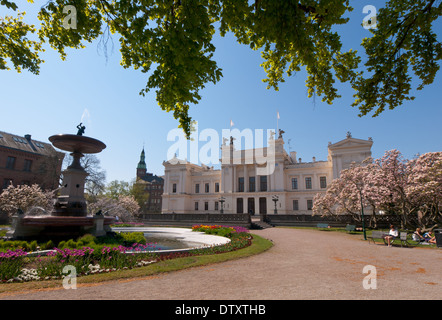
[[142, 168]]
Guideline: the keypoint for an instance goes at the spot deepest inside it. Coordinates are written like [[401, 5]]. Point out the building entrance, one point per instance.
[[262, 205], [251, 206]]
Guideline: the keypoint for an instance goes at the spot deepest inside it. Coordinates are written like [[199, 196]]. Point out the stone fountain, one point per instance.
[[68, 218]]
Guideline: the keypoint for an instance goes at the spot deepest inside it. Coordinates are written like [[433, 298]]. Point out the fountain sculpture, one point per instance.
[[68, 218]]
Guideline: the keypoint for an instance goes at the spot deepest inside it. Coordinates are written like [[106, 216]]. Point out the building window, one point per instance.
[[10, 163], [196, 206], [323, 182], [174, 188], [206, 206], [309, 204], [27, 166], [251, 184], [263, 183], [206, 186], [294, 183], [216, 205], [216, 186], [239, 205], [295, 205], [197, 188], [308, 183], [241, 184]]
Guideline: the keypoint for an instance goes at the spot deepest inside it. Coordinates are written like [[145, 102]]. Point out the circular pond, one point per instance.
[[175, 239]]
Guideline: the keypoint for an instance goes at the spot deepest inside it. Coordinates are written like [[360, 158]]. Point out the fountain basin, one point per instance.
[[62, 221], [191, 239], [76, 143], [58, 227]]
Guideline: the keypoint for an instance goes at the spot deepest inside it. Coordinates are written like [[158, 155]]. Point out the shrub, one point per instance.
[[224, 231], [86, 239], [48, 246], [33, 245], [133, 237]]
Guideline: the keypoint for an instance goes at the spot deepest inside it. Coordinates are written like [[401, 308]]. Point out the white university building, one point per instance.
[[249, 180]]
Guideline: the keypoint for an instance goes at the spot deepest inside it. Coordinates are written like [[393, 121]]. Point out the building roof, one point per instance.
[[26, 144], [350, 143], [151, 178]]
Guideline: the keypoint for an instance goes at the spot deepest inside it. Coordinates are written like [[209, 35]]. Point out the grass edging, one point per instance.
[[258, 245]]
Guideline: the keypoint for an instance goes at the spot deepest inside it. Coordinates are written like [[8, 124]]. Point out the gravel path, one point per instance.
[[302, 264]]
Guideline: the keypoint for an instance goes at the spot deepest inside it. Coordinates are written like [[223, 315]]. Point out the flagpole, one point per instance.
[[277, 122]]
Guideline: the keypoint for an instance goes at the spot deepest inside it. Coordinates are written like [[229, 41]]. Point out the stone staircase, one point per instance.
[[257, 224]]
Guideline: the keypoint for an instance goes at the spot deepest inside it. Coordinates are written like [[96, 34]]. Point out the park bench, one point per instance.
[[376, 235], [350, 228], [381, 235], [322, 225], [403, 238]]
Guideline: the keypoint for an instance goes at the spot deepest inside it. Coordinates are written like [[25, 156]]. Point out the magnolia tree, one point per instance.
[[25, 198], [411, 189], [124, 207], [346, 194], [424, 186]]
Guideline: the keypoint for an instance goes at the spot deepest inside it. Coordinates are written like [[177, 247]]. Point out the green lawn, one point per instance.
[[368, 233]]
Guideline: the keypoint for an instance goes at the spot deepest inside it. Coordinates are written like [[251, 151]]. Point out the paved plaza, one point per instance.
[[302, 264]]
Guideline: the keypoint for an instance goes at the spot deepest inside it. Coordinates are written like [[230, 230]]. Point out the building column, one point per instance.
[[182, 186], [246, 179], [234, 175]]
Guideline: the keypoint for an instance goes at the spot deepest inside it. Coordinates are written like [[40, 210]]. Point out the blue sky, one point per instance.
[[55, 101]]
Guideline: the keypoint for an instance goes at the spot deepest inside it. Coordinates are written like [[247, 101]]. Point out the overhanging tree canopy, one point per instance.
[[174, 38]]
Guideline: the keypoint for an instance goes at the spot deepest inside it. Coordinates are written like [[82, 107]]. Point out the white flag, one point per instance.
[[278, 115], [231, 123]]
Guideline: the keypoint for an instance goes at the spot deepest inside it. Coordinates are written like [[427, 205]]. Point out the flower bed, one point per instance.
[[224, 231], [17, 265]]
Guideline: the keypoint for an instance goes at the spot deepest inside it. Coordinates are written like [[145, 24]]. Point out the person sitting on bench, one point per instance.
[[393, 234]]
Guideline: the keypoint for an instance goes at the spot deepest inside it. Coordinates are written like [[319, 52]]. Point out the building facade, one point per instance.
[[257, 181], [27, 161], [151, 185]]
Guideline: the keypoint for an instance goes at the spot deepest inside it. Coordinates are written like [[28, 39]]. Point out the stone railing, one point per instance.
[[244, 220], [189, 219]]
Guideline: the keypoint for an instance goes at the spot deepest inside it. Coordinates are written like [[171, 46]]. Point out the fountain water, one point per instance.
[[36, 211], [68, 218]]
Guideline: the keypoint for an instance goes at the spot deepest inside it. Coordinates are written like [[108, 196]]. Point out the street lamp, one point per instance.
[[275, 199], [222, 199], [359, 186]]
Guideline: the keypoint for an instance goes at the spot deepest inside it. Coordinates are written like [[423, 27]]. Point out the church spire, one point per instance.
[[142, 163], [142, 168]]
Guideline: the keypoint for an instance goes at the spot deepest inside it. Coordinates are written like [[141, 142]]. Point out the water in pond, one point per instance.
[[164, 243]]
